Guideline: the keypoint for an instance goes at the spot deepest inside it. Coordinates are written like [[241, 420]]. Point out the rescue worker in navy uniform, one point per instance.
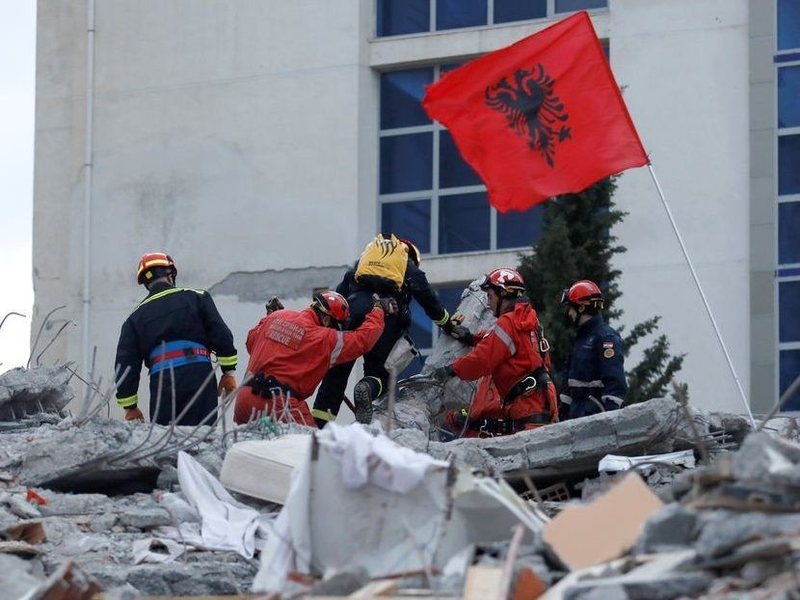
[[596, 372], [389, 267], [173, 330]]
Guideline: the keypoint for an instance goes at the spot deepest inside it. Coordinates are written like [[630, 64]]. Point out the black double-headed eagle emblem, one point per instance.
[[532, 109]]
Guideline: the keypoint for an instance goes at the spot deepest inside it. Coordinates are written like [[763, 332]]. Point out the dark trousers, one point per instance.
[[331, 390], [184, 382]]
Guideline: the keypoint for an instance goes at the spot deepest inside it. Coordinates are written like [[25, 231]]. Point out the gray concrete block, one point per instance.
[[723, 531], [671, 527]]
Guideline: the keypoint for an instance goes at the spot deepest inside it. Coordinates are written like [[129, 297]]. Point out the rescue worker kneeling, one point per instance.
[[518, 394], [290, 352]]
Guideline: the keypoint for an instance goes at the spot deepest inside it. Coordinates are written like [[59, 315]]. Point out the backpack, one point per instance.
[[382, 266]]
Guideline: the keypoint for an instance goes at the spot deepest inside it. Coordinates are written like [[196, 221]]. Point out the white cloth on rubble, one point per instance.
[[365, 459], [226, 523], [156, 550], [377, 460]]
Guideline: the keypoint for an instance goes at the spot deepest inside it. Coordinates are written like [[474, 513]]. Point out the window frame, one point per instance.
[[784, 272], [550, 14]]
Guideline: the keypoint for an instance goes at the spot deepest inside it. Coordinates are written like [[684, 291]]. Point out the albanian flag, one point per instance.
[[539, 118]]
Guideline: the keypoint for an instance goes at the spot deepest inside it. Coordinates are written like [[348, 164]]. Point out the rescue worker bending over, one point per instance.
[[515, 355], [389, 266], [173, 330], [596, 371], [290, 352]]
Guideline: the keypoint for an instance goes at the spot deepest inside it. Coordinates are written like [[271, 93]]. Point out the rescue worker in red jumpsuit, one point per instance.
[[290, 352], [518, 393]]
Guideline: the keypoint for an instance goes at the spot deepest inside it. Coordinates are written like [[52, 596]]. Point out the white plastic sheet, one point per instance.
[[226, 523]]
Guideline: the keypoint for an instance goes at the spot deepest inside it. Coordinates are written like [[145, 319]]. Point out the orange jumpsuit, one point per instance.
[[503, 356], [296, 350]]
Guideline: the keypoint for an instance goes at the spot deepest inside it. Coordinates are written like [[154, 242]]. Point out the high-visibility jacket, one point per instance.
[[509, 352], [167, 315], [293, 347]]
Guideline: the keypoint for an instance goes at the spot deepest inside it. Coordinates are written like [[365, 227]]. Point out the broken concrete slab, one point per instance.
[[37, 390], [562, 448], [672, 527]]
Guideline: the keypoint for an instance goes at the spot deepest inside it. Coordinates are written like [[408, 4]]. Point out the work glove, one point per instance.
[[133, 414], [387, 305], [273, 304], [227, 384], [443, 373], [462, 334]]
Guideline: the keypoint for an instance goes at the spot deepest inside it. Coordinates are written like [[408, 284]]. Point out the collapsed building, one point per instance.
[[655, 500]]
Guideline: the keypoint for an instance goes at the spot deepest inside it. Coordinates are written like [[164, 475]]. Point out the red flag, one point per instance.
[[539, 118]]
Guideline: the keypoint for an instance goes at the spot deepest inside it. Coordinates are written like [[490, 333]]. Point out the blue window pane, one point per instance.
[[463, 223], [401, 98], [451, 14], [406, 163], [788, 24], [421, 327], [790, 369], [409, 220], [789, 307], [788, 232], [519, 229], [450, 297], [789, 97], [396, 17], [448, 67], [789, 164], [573, 5], [519, 10], [453, 170]]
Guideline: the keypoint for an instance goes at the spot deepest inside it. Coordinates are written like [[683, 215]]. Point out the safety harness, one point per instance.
[[269, 387], [171, 355]]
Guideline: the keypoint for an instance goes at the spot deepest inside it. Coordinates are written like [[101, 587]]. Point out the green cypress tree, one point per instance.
[[577, 243]]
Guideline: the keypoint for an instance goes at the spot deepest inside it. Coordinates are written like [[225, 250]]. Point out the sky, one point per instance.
[[17, 76]]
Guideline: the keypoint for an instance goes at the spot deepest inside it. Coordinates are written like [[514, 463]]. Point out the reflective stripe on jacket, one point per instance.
[[297, 350]]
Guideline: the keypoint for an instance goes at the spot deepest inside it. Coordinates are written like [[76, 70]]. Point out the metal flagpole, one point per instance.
[[703, 296]]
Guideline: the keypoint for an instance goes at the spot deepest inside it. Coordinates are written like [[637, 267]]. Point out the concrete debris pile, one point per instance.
[[135, 509], [35, 392]]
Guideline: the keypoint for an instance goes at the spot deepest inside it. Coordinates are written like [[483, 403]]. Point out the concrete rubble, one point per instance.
[[88, 503]]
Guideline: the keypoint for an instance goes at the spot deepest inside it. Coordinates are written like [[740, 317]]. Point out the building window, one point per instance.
[[788, 24], [788, 214], [428, 194], [424, 332], [403, 17]]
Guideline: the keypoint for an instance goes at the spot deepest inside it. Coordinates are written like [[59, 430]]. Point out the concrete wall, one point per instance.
[[242, 138]]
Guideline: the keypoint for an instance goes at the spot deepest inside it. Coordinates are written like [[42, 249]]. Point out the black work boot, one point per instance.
[[362, 397]]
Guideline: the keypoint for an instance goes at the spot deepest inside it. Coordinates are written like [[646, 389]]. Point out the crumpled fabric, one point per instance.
[[365, 459], [377, 460], [156, 550], [226, 523]]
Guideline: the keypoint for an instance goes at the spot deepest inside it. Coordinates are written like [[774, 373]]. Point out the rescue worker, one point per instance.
[[518, 393], [596, 369], [389, 266], [174, 331], [290, 352]]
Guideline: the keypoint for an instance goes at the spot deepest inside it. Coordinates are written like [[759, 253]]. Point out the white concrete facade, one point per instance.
[[242, 137]]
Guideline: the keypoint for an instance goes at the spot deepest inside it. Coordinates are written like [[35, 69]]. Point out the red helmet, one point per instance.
[[506, 280], [332, 304], [153, 260], [413, 251], [583, 293]]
